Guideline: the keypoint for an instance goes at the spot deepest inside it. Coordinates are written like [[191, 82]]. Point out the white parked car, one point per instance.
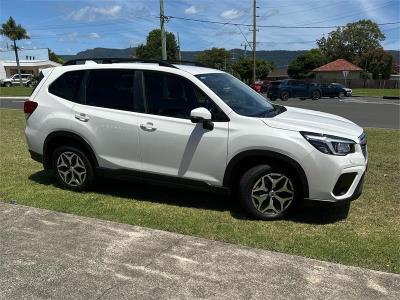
[[14, 80], [193, 126]]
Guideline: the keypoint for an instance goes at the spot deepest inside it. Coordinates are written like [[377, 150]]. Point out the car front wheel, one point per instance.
[[285, 96], [267, 192], [341, 95], [74, 170]]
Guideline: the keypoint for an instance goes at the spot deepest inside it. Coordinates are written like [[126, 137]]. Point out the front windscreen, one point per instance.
[[237, 95]]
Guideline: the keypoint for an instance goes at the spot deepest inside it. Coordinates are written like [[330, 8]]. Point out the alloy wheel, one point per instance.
[[272, 194], [71, 168]]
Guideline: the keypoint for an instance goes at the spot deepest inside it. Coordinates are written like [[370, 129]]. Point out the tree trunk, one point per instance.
[[17, 60]]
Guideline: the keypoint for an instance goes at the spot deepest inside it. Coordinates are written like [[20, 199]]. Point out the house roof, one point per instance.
[[338, 65]]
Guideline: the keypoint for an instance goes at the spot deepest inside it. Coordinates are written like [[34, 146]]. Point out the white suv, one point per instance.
[[189, 125]]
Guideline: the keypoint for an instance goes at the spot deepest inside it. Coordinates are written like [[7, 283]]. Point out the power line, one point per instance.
[[268, 26]]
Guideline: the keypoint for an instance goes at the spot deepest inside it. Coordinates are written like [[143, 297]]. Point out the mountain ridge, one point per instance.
[[281, 58]]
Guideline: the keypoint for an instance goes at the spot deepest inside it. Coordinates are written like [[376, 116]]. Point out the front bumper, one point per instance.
[[335, 179]]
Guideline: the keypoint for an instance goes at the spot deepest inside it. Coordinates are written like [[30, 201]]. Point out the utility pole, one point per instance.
[[179, 49], [163, 37], [254, 39]]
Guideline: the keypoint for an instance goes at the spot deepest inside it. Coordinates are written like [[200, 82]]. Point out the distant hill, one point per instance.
[[281, 58]]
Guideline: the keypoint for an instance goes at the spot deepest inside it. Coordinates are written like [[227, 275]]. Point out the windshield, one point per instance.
[[237, 95]]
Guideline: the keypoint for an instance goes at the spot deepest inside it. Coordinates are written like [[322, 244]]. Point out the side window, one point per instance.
[[68, 85], [174, 96], [111, 89]]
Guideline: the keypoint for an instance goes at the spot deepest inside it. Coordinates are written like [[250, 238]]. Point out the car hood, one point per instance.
[[298, 119]]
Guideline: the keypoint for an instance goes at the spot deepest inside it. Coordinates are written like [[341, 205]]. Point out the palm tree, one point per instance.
[[15, 33]]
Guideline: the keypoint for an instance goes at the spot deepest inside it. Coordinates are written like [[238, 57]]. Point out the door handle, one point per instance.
[[82, 117], [148, 126]]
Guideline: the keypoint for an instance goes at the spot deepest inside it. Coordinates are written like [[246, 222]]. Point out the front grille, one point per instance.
[[363, 144]]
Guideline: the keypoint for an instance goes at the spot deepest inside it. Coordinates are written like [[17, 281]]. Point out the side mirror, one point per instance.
[[202, 115]]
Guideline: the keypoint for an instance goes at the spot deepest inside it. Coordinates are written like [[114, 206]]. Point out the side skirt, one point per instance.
[[163, 180]]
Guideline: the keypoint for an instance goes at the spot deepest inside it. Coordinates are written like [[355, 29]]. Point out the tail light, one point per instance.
[[29, 107]]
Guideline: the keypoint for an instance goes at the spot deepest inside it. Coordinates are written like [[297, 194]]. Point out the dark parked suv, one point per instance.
[[291, 88]]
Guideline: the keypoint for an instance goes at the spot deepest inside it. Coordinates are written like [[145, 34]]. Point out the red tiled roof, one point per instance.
[[338, 65]]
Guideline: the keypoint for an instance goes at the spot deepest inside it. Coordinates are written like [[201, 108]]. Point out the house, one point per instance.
[[278, 74], [31, 61], [338, 69]]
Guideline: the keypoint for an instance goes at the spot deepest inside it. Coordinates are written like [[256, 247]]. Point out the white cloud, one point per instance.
[[93, 35], [232, 14], [91, 13], [70, 37], [192, 10]]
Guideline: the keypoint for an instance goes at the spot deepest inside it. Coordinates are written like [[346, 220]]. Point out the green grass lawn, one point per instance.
[[369, 236], [15, 91], [376, 92]]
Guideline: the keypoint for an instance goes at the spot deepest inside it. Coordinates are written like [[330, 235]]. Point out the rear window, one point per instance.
[[111, 89], [68, 85]]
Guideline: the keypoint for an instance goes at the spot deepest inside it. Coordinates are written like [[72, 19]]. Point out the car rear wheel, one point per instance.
[[285, 96], [73, 168], [316, 95], [267, 192]]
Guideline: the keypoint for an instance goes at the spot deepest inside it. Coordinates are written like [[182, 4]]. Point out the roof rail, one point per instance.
[[111, 60], [187, 62]]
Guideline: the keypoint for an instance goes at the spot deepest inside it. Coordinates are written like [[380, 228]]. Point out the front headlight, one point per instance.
[[329, 144]]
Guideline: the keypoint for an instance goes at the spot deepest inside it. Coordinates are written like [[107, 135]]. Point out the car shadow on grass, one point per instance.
[[181, 197]]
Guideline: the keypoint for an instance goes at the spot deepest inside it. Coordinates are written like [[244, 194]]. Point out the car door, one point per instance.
[[170, 143], [108, 117]]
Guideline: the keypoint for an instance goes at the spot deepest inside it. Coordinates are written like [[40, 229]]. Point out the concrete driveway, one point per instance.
[[50, 255]]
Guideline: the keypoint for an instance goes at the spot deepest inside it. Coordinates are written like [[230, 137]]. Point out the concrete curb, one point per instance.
[[14, 97]]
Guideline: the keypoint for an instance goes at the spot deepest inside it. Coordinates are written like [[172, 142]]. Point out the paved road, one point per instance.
[[367, 112], [50, 255]]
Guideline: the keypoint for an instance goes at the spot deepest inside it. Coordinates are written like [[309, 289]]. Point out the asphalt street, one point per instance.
[[366, 112], [51, 255]]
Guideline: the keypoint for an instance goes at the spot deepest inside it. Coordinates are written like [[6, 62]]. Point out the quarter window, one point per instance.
[[68, 85], [111, 89]]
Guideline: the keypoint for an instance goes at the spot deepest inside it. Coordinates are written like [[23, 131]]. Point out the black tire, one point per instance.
[[341, 95], [7, 84], [315, 95], [77, 181], [285, 96], [249, 181]]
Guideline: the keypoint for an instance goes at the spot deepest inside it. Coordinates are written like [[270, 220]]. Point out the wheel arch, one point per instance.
[[59, 138], [250, 158]]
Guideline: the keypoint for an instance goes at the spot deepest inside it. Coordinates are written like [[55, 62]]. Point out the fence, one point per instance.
[[367, 83]]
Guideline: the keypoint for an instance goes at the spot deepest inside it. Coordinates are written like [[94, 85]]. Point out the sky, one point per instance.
[[68, 27]]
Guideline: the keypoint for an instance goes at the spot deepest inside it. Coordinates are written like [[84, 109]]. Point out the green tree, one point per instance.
[[303, 65], [54, 57], [377, 62], [152, 49], [243, 69], [214, 58], [15, 33], [352, 41]]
